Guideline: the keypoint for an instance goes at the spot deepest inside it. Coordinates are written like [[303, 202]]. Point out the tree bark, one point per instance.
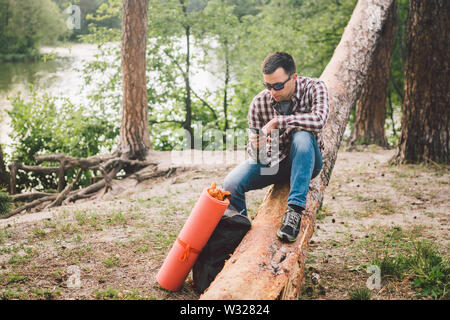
[[187, 124], [371, 106], [134, 136], [225, 89], [262, 267], [188, 100], [425, 132]]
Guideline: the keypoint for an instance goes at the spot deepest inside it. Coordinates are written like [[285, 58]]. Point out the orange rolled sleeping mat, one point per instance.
[[193, 237]]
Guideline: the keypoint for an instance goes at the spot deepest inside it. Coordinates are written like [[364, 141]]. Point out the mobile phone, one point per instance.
[[257, 131]]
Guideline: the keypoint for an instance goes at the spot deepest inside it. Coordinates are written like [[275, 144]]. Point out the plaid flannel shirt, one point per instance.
[[310, 113]]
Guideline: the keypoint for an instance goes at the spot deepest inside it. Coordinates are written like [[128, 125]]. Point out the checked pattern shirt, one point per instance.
[[310, 112]]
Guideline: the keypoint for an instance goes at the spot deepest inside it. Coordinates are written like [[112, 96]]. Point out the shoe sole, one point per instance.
[[283, 237]]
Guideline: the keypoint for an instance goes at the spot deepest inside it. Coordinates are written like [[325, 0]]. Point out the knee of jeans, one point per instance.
[[231, 184], [301, 141]]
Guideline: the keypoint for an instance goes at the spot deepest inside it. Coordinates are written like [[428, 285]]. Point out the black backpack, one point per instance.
[[228, 234]]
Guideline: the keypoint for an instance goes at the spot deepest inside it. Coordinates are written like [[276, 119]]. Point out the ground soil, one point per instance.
[[113, 247]]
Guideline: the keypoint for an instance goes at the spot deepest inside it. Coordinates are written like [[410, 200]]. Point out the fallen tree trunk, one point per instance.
[[262, 267]]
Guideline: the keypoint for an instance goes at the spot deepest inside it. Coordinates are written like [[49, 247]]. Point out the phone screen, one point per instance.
[[257, 131]]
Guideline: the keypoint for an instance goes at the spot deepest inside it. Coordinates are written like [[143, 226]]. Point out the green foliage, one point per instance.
[[430, 270], [5, 203], [25, 25], [423, 264], [89, 17], [231, 39], [47, 125], [228, 40], [392, 267]]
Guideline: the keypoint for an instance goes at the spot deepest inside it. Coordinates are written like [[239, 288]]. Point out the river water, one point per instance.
[[62, 77], [58, 77]]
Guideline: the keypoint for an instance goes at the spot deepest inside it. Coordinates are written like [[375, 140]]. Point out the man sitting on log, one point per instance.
[[285, 144]]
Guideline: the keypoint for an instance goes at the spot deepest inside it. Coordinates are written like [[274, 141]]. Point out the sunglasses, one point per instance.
[[276, 86]]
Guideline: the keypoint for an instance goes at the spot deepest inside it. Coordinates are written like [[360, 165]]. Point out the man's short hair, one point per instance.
[[279, 59]]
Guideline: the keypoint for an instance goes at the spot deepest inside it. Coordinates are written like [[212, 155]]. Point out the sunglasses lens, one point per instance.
[[278, 86]]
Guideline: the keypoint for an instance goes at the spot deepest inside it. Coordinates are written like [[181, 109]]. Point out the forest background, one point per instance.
[[231, 38]]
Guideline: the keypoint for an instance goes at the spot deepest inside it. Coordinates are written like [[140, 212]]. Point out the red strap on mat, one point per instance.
[[187, 250]]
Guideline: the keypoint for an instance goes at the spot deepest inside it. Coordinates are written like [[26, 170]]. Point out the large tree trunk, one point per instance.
[[371, 106], [134, 135], [262, 267], [425, 132]]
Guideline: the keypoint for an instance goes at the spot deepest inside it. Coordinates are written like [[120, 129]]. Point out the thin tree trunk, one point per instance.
[[225, 89], [425, 132], [262, 267], [391, 113], [188, 100], [370, 114], [4, 179], [134, 136]]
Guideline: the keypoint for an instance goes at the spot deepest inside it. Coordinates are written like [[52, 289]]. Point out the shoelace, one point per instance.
[[292, 218]]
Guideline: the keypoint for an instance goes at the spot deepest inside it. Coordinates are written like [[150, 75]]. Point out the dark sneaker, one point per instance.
[[291, 225]]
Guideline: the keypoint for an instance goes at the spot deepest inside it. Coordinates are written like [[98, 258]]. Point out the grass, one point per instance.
[[360, 294], [15, 278], [422, 264], [379, 205], [108, 293], [45, 293], [111, 262], [431, 272], [404, 255], [323, 212], [39, 233], [19, 259], [4, 234], [115, 219]]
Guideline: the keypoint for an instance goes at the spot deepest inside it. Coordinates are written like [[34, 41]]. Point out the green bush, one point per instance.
[[48, 125], [5, 203], [25, 25]]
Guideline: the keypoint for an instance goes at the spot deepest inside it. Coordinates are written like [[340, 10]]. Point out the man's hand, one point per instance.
[[271, 125], [258, 141]]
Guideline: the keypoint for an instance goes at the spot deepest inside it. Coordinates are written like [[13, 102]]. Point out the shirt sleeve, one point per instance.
[[317, 118]]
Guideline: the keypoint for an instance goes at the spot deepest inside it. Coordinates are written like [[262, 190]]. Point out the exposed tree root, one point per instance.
[[110, 165]]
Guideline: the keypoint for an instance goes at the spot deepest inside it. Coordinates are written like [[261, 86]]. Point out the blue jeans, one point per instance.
[[303, 164]]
